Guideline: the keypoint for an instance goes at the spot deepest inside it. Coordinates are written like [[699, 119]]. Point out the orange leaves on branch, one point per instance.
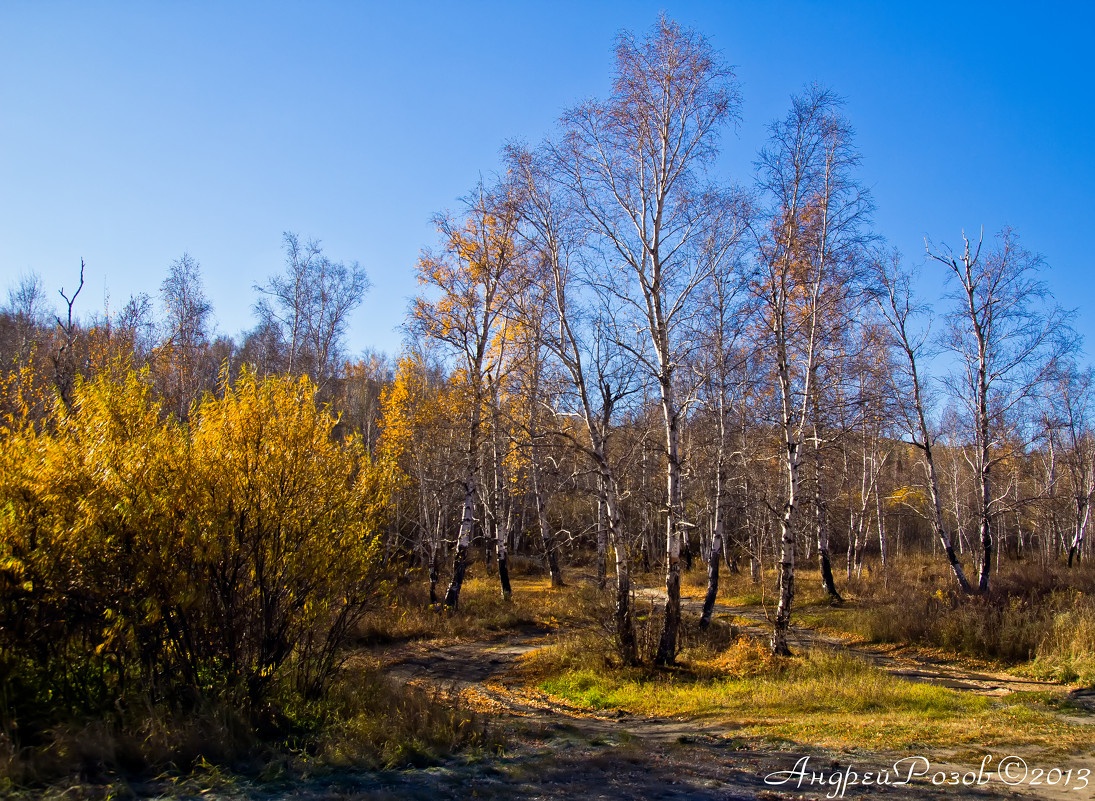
[[472, 282]]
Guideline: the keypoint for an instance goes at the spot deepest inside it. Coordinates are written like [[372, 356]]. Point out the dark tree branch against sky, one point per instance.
[[131, 133]]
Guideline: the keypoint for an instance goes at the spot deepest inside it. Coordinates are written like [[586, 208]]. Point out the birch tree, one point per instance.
[[720, 364], [578, 333], [1071, 434], [1007, 335], [866, 423], [187, 320], [807, 257], [310, 306], [30, 312], [470, 284], [532, 394], [499, 501], [637, 163], [909, 335]]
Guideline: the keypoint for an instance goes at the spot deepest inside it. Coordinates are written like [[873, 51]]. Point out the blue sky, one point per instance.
[[132, 132]]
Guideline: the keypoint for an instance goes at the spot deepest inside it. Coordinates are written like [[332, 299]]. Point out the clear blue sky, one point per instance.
[[132, 132]]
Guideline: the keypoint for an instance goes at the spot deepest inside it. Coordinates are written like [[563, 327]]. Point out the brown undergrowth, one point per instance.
[[482, 611], [1040, 619], [366, 720]]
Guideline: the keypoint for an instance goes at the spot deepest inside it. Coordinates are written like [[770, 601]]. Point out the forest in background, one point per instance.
[[619, 363]]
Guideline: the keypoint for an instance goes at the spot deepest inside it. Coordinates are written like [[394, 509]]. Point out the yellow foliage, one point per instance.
[[216, 557], [907, 496]]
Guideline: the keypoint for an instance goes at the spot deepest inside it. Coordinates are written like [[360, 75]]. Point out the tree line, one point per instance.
[[621, 360], [755, 349]]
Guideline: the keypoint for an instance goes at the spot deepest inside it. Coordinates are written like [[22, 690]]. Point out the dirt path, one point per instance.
[[462, 665], [559, 751], [563, 751], [566, 752]]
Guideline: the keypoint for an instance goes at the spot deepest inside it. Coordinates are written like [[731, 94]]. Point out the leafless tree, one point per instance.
[[910, 336], [719, 362], [310, 305], [637, 163], [29, 311], [187, 323], [580, 334], [63, 357], [1079, 400], [1070, 415], [263, 348], [136, 322], [533, 379], [1008, 336], [187, 311]]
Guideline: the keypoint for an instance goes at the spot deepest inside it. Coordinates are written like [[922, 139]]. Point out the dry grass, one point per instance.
[[1067, 651], [482, 612], [1040, 619], [828, 699], [376, 722], [835, 700], [738, 589], [366, 721], [106, 754]]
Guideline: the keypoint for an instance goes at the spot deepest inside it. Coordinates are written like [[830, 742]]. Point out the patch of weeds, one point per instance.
[[752, 597], [576, 651], [746, 657], [1048, 699], [379, 723]]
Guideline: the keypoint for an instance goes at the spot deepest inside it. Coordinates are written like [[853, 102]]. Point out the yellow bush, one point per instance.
[[288, 520], [140, 556]]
